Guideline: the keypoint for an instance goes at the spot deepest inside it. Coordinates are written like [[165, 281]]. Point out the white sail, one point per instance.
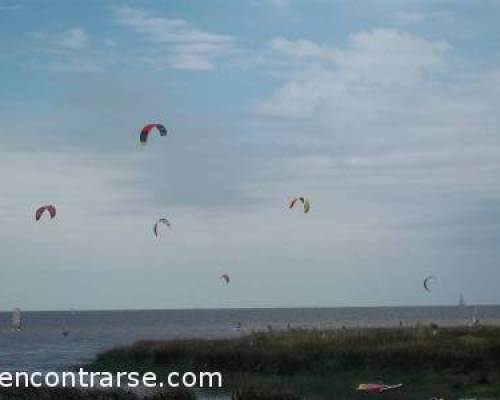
[[17, 319], [461, 301]]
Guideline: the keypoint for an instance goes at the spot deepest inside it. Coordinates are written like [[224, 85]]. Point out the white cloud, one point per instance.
[[10, 7], [74, 38], [302, 49], [416, 17], [410, 17], [380, 132], [372, 66], [72, 51], [110, 42], [71, 180], [279, 3], [392, 125], [181, 44]]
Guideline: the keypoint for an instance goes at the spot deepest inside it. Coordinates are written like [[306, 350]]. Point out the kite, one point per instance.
[[160, 221], [41, 210], [305, 202], [426, 282], [147, 130], [377, 387]]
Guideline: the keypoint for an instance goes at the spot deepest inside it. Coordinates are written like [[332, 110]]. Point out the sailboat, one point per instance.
[[461, 301], [17, 320]]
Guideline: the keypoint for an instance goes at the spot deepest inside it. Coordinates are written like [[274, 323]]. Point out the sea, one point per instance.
[[60, 340]]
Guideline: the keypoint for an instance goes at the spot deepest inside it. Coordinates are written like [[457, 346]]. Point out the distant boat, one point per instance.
[[17, 320], [461, 301]]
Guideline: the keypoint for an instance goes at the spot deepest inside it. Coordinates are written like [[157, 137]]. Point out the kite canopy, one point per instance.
[[41, 210], [226, 278], [427, 281], [148, 128], [376, 387], [305, 203], [163, 221]]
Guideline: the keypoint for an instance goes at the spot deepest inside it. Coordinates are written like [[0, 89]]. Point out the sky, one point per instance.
[[385, 114]]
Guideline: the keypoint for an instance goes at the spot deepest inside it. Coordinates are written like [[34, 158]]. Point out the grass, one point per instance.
[[447, 362], [312, 364], [76, 394], [287, 353]]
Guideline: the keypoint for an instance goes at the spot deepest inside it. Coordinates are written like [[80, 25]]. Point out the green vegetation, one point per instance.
[[430, 361], [62, 394], [75, 394], [314, 364]]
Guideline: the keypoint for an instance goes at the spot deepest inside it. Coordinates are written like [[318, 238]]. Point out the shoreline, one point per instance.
[[270, 308], [430, 361]]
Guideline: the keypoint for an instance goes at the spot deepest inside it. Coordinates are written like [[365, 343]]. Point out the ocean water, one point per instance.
[[41, 346]]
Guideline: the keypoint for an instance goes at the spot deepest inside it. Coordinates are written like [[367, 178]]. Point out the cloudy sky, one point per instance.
[[386, 114]]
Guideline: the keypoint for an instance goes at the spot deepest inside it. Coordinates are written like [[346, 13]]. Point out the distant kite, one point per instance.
[[41, 210], [148, 128], [160, 221], [226, 278], [426, 282], [305, 202]]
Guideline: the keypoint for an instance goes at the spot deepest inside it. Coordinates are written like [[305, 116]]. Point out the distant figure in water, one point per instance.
[[400, 323], [65, 333], [270, 328], [17, 320], [475, 321], [238, 325], [288, 326]]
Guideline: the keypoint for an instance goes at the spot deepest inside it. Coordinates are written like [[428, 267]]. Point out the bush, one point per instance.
[[173, 394], [63, 394], [327, 351], [252, 392]]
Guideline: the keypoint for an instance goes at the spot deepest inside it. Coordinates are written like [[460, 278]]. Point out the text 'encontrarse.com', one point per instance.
[[93, 379]]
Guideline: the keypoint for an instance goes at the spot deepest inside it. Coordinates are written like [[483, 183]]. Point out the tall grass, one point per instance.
[[63, 394], [94, 394], [324, 351]]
